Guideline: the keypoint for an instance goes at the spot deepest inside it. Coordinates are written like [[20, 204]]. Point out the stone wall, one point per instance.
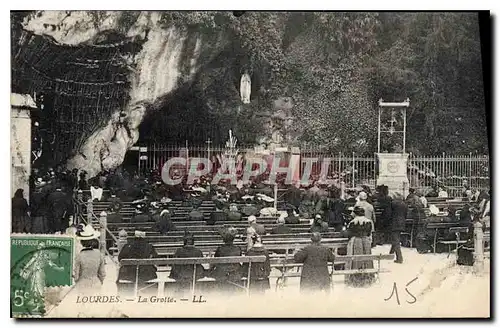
[[20, 142]]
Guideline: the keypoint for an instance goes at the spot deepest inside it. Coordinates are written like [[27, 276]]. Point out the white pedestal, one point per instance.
[[393, 173]]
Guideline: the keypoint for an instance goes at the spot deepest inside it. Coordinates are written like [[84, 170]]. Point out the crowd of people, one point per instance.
[[327, 207]]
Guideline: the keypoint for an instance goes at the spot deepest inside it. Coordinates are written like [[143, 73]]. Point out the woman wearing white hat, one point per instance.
[[89, 263]]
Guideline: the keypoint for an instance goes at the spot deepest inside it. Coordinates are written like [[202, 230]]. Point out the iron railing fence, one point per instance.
[[353, 169]]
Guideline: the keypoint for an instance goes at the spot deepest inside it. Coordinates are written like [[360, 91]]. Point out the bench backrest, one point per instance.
[[194, 260], [210, 249]]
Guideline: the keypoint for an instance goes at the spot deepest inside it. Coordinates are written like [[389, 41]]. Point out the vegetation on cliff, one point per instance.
[[326, 72]]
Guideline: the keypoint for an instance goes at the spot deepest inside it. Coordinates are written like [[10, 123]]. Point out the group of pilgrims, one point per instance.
[[327, 207]]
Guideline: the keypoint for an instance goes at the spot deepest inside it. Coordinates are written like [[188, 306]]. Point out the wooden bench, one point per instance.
[[287, 265], [458, 231], [188, 261], [436, 226]]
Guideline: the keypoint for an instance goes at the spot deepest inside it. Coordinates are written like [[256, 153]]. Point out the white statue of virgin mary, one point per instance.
[[245, 88]]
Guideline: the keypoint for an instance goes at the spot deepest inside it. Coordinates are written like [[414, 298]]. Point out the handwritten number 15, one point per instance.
[[395, 292]]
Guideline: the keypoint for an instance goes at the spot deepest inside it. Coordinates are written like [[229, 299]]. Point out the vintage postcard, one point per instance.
[[249, 164]]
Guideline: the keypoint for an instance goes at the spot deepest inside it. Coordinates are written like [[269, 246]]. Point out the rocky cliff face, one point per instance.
[[168, 58]]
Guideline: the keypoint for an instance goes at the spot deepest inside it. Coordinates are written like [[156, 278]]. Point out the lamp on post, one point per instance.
[[393, 121]]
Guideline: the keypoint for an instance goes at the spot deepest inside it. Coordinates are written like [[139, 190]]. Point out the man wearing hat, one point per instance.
[[183, 274], [315, 275], [137, 248]]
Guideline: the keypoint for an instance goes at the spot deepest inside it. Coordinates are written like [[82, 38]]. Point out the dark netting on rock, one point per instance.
[[82, 86]]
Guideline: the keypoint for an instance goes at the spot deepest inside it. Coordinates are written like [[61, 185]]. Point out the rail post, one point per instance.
[[90, 211], [79, 207], [478, 248], [122, 240], [102, 239]]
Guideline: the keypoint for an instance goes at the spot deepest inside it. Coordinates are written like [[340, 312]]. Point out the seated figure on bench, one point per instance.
[[315, 276], [319, 225], [195, 214], [228, 275], [137, 248], [114, 216], [360, 243], [259, 272], [183, 273], [116, 203], [292, 216], [140, 214], [164, 222], [219, 214], [233, 214], [281, 228], [249, 208]]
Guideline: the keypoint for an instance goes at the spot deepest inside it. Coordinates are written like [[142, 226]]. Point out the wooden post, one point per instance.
[[478, 248], [275, 196], [353, 169], [136, 284], [194, 282], [248, 277], [122, 240], [103, 224], [378, 127]]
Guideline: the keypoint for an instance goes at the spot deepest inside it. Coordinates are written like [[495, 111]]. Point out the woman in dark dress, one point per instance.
[[228, 275], [20, 215], [259, 272], [359, 230]]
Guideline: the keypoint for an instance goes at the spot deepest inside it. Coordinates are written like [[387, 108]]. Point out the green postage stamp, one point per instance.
[[38, 262]]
